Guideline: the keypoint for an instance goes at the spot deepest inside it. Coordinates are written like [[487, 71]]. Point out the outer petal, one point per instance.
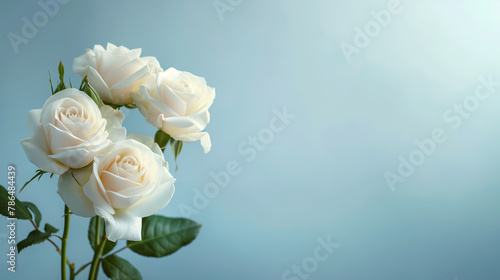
[[36, 148], [59, 138], [33, 121], [205, 142], [123, 225], [81, 62], [98, 83], [78, 158], [91, 190], [157, 199], [150, 107], [146, 140], [40, 158], [114, 119], [132, 71], [71, 191], [120, 201], [202, 136]]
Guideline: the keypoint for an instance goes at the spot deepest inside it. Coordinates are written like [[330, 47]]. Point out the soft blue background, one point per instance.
[[324, 174]]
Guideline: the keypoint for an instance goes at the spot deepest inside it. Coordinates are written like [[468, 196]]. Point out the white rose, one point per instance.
[[127, 183], [178, 104], [116, 72], [69, 131]]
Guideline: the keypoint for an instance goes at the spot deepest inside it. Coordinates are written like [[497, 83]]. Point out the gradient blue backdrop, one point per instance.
[[323, 175]]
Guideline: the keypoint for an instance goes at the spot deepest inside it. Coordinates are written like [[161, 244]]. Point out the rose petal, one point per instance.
[[151, 100], [33, 122], [115, 183], [146, 140], [157, 199], [78, 158], [131, 71], [39, 157], [120, 201], [72, 194], [172, 100], [184, 122], [87, 59], [35, 146], [123, 226], [98, 83], [114, 119], [108, 61], [192, 137], [91, 190]]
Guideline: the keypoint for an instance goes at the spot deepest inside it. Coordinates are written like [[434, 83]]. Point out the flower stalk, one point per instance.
[[94, 267], [64, 240]]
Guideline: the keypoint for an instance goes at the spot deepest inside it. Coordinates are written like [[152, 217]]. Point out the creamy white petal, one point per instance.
[[146, 140], [109, 61], [204, 138], [75, 158], [33, 121], [87, 59], [78, 158], [184, 122], [93, 192], [172, 100], [123, 226], [120, 201], [153, 102], [158, 199], [116, 183], [114, 119], [36, 147], [71, 191], [58, 138], [205, 142], [39, 157], [127, 74], [98, 83]]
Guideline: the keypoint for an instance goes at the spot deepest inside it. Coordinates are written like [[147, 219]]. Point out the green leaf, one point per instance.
[[162, 236], [50, 81], [117, 268], [50, 229], [131, 106], [38, 216], [162, 139], [90, 91], [35, 237], [39, 173], [176, 147], [91, 234], [12, 208], [82, 84]]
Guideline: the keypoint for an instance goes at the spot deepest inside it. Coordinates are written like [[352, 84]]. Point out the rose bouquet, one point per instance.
[[118, 180]]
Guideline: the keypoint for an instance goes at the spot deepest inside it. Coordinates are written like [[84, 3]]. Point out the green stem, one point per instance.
[[72, 271], [67, 216], [97, 231], [94, 268], [82, 268], [118, 251]]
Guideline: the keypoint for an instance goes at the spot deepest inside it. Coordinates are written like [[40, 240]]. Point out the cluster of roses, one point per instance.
[[103, 171]]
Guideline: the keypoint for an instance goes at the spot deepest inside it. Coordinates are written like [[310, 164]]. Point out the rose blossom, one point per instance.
[[116, 72], [69, 131], [128, 182], [178, 104]]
